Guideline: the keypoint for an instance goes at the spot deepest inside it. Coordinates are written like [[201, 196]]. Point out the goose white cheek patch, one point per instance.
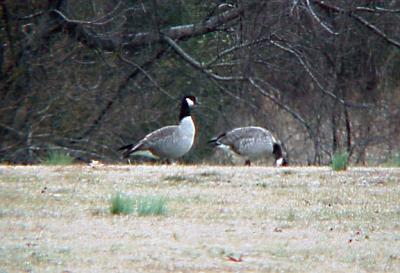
[[189, 102]]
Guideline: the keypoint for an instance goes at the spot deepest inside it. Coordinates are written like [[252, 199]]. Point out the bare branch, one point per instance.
[[314, 78], [319, 20], [100, 116], [294, 114], [95, 22], [376, 9], [14, 131], [195, 63], [92, 40], [240, 99], [360, 19], [376, 30], [122, 58], [234, 48], [31, 16]]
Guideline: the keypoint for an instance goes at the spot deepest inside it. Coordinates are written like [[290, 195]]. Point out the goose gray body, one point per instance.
[[169, 142], [251, 143]]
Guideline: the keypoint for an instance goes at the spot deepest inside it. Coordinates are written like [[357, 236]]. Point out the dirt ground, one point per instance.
[[219, 219]]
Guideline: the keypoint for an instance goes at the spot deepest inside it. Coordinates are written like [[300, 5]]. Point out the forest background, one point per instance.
[[85, 77]]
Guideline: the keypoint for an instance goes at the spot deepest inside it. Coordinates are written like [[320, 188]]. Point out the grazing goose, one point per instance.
[[250, 143], [169, 142]]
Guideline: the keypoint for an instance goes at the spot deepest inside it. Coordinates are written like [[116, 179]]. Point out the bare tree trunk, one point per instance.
[[361, 157], [347, 124], [348, 130], [334, 132]]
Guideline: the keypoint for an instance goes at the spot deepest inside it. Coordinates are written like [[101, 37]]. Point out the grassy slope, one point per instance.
[[219, 219]]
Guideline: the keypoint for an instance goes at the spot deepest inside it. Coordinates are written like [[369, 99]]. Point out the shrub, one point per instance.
[[340, 161], [58, 158], [121, 204]]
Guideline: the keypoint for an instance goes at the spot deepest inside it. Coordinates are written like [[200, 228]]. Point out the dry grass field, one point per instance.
[[218, 219]]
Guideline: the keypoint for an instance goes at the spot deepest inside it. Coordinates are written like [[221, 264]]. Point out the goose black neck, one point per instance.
[[185, 110], [277, 151]]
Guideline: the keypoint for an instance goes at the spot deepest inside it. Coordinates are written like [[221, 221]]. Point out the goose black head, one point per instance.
[[187, 103], [279, 160], [190, 100]]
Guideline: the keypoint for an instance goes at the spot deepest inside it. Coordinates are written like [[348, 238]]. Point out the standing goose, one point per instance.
[[251, 143], [169, 142]]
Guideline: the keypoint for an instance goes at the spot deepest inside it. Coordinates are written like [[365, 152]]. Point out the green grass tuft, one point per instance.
[[151, 205], [340, 161], [262, 185], [143, 205], [291, 215], [58, 158], [121, 204], [394, 161]]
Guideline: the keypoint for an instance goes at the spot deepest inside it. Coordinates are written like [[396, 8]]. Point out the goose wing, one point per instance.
[[164, 134], [151, 141]]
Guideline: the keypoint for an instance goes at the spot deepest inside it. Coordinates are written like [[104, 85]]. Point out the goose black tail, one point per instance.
[[215, 140], [127, 150], [126, 147]]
